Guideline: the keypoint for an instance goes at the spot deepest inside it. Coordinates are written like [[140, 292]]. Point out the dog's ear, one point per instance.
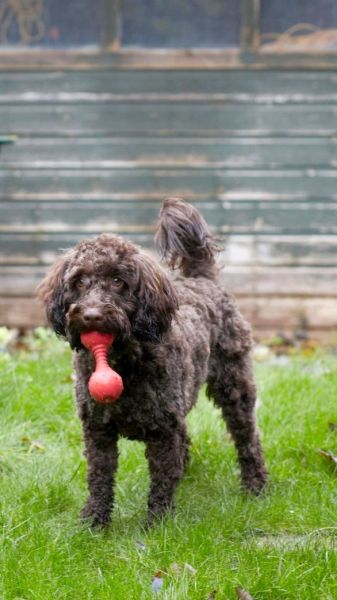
[[157, 300], [51, 293]]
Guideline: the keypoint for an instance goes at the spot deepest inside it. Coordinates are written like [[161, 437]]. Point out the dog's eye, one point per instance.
[[117, 282], [80, 283]]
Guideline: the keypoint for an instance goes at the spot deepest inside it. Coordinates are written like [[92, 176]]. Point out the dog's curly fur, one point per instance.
[[173, 334]]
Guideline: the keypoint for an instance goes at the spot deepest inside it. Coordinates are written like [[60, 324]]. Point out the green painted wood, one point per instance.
[[240, 250], [289, 314], [42, 248], [98, 151], [219, 184], [273, 84], [244, 281], [7, 139], [281, 251], [224, 217], [20, 281], [102, 153], [202, 118]]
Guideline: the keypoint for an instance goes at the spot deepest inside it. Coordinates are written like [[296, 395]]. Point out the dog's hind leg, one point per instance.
[[167, 459], [231, 385]]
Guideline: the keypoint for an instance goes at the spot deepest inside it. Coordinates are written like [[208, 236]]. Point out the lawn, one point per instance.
[[280, 546]]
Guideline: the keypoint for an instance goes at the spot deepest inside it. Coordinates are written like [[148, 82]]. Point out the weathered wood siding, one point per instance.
[[256, 152]]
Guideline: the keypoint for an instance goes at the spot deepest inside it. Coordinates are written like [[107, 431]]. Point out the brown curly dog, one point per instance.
[[173, 335]]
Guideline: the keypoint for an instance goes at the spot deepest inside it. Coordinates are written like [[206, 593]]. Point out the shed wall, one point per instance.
[[255, 151]]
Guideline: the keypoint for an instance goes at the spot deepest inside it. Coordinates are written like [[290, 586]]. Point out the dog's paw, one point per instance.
[[95, 517], [157, 512], [255, 484], [154, 517]]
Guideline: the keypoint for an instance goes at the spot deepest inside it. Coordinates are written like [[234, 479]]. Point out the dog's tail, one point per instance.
[[185, 240]]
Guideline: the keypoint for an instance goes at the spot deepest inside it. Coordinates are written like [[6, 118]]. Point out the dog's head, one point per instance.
[[108, 285]]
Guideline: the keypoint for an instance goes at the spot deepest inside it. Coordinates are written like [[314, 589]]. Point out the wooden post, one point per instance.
[[250, 26], [111, 26]]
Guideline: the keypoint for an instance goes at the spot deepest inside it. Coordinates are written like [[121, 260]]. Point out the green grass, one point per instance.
[[281, 546]]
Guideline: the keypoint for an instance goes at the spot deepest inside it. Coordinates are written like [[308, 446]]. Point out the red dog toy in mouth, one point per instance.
[[105, 385]]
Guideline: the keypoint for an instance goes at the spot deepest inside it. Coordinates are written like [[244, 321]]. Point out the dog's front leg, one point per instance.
[[167, 459], [102, 456]]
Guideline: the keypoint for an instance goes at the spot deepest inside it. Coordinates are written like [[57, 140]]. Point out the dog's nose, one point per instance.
[[92, 317]]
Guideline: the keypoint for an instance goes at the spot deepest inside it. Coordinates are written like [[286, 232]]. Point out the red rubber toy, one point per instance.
[[105, 385]]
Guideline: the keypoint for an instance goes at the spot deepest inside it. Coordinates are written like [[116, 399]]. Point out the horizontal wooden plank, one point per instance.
[[209, 182], [278, 250], [156, 60], [239, 250], [21, 281], [124, 59], [211, 118], [101, 97], [153, 196], [295, 281], [307, 58], [21, 312], [270, 84], [319, 314], [291, 250], [226, 217], [103, 153], [42, 248], [291, 313]]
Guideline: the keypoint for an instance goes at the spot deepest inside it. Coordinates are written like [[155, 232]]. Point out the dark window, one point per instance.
[[180, 23], [50, 23]]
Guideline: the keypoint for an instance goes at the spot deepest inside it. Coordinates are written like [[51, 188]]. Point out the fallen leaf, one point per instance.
[[68, 378], [261, 353], [279, 340], [157, 582], [26, 440], [140, 545], [309, 347], [242, 594], [36, 445], [258, 531], [190, 569], [328, 456], [176, 568]]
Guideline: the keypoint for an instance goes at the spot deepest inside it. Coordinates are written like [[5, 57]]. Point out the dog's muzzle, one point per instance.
[[103, 318]]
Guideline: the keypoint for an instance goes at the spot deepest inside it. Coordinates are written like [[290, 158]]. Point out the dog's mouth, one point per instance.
[[81, 319]]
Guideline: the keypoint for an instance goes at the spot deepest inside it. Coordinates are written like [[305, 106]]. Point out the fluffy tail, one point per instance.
[[185, 240]]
